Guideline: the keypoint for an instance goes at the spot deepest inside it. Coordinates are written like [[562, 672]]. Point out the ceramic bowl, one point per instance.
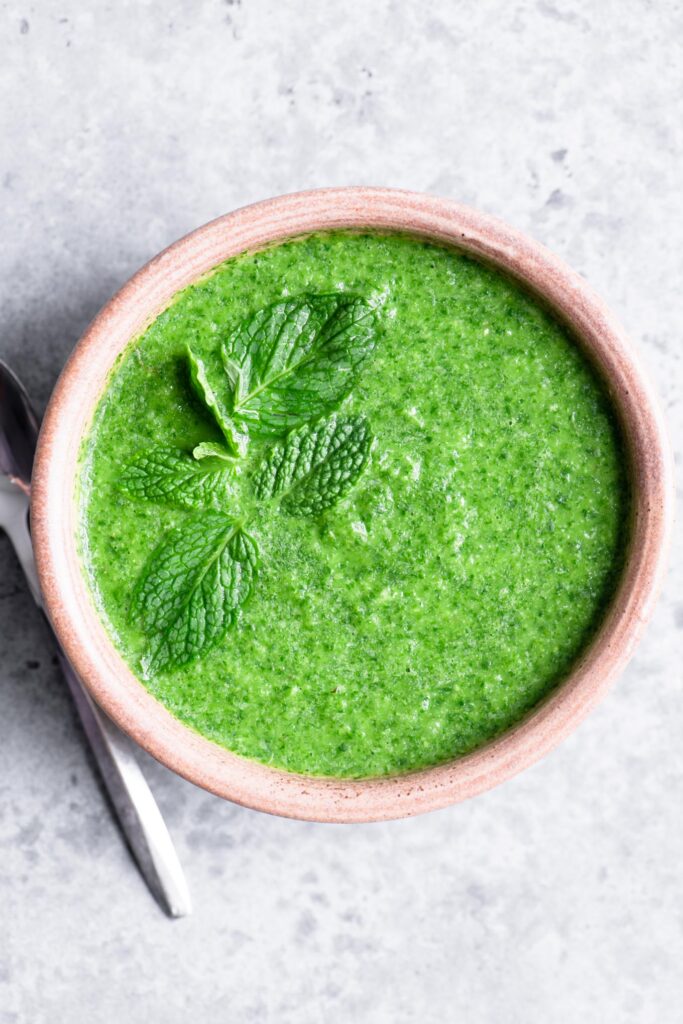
[[68, 417]]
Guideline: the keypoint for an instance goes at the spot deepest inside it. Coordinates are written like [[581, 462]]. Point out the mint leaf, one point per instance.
[[315, 465], [210, 450], [172, 477], [191, 588], [296, 360], [213, 387]]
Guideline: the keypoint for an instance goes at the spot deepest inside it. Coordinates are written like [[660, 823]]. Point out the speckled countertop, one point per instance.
[[556, 898]]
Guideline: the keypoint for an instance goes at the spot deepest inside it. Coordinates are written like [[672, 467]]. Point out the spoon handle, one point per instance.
[[131, 798], [136, 809]]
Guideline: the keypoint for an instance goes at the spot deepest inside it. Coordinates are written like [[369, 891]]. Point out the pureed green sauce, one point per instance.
[[450, 588]]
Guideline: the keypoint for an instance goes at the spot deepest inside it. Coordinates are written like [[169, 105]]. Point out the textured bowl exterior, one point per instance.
[[138, 303]]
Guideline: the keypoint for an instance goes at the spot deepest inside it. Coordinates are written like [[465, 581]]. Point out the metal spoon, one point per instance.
[[135, 807]]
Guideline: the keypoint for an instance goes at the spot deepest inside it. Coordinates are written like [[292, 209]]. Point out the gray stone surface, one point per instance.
[[556, 898]]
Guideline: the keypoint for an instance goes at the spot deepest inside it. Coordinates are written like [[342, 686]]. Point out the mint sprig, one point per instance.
[[281, 375]]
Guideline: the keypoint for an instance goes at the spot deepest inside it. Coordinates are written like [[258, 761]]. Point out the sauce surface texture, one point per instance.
[[453, 587]]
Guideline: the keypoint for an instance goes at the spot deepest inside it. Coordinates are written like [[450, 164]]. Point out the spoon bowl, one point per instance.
[[18, 429]]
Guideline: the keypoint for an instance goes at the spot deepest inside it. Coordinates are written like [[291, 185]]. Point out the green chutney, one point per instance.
[[453, 587]]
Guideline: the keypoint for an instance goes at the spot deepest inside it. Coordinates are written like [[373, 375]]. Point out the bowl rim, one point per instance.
[[54, 510]]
